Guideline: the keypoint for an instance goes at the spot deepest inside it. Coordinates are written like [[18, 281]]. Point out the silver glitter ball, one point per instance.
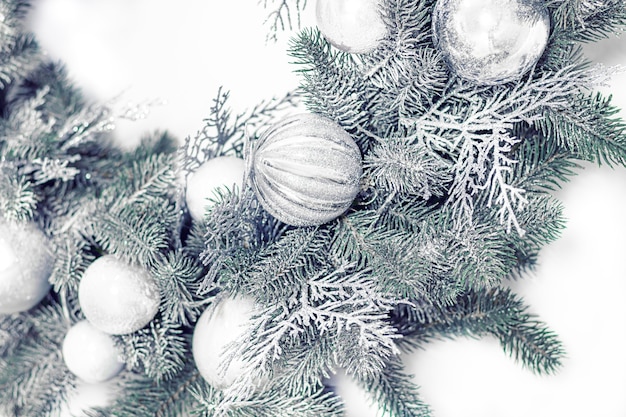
[[306, 170], [26, 262], [491, 41], [221, 324], [118, 298], [354, 26], [91, 354]]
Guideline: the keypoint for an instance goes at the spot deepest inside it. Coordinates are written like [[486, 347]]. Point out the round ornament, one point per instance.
[[26, 262], [354, 26], [91, 354], [221, 324], [306, 170], [224, 173], [118, 298], [490, 41]]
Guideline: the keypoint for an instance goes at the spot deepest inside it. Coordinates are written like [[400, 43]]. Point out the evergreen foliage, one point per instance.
[[455, 201]]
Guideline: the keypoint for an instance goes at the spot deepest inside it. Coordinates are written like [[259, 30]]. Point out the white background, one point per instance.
[[180, 52]]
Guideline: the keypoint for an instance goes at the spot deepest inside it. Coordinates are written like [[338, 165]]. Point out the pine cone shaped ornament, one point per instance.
[[306, 170]]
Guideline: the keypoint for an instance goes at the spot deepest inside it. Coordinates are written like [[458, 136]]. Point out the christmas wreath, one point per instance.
[[235, 273]]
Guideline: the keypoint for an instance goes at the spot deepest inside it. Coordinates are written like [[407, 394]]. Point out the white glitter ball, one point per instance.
[[25, 266], [491, 41], [221, 324], [91, 354], [354, 26], [118, 298], [221, 174]]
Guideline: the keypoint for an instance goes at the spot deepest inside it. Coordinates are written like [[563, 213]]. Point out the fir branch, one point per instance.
[[226, 134], [407, 169], [12, 23], [14, 329], [496, 312], [332, 83], [590, 129], [178, 277], [340, 305], [543, 165], [47, 169], [159, 351], [142, 181], [26, 133], [543, 222], [18, 200], [268, 403], [395, 393], [405, 72], [22, 57], [138, 233], [283, 265], [586, 21], [475, 133], [280, 17], [34, 380], [72, 257], [85, 126], [235, 230], [140, 396], [301, 367]]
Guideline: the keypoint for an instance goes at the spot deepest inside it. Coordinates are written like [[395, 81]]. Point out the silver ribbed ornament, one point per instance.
[[306, 170]]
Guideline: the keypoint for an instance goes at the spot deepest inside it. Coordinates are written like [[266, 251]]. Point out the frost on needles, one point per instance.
[[455, 201]]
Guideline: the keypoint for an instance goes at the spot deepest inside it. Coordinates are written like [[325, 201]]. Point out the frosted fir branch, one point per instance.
[[18, 200], [158, 351], [25, 125], [143, 181], [225, 133], [587, 20], [333, 303], [407, 169], [280, 16], [33, 378], [178, 277], [139, 396], [48, 169], [273, 402], [85, 126], [22, 58], [395, 393], [473, 127]]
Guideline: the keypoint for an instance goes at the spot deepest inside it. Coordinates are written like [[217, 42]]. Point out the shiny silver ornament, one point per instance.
[[306, 170], [354, 26], [118, 298], [490, 41], [26, 262]]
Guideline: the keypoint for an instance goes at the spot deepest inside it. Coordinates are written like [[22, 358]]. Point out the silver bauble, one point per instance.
[[116, 297], [220, 174], [26, 262], [354, 26], [91, 354], [306, 170], [221, 323], [490, 41]]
